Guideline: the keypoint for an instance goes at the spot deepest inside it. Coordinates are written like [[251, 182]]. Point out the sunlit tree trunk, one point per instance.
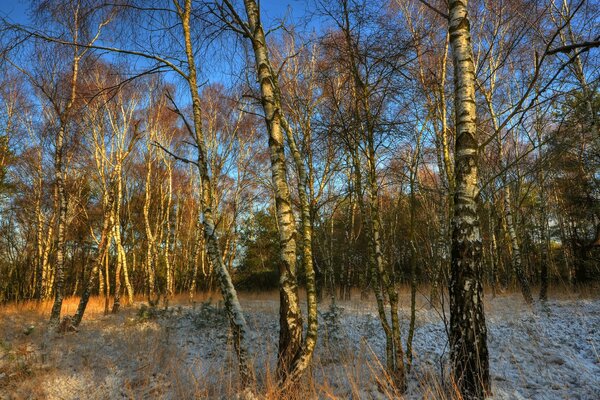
[[150, 237], [290, 322], [232, 304], [103, 245], [41, 268], [167, 252], [117, 237], [468, 332], [197, 256], [60, 199], [304, 357]]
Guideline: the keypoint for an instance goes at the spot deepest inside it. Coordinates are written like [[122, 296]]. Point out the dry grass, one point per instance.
[[119, 356], [34, 362]]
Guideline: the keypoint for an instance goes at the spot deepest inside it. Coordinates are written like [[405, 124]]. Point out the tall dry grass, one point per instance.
[[147, 363]]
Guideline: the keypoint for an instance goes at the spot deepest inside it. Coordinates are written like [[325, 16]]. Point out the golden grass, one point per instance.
[[36, 369], [96, 305], [154, 367]]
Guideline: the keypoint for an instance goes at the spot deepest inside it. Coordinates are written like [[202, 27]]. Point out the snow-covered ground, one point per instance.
[[549, 351]]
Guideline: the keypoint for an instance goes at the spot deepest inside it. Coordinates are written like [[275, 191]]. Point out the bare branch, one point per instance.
[[568, 48], [175, 156]]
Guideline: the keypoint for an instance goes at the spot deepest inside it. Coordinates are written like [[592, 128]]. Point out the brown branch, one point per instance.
[[434, 9], [175, 156], [568, 48]]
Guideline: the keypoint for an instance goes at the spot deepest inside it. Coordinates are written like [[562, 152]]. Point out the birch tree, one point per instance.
[[83, 28], [468, 331], [294, 353]]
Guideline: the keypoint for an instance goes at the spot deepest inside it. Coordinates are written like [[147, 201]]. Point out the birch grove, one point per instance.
[[405, 155]]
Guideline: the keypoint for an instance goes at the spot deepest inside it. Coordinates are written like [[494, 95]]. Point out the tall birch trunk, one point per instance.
[[413, 252], [60, 199], [468, 332], [383, 286], [290, 322], [150, 274], [169, 271], [545, 246], [197, 256], [39, 239], [118, 238], [304, 357], [232, 304]]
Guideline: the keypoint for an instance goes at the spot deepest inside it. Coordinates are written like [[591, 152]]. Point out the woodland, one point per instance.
[[279, 189]]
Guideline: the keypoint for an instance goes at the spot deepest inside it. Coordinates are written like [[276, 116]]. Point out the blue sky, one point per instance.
[[16, 10], [272, 11]]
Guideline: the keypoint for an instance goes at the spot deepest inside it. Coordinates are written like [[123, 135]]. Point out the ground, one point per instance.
[[544, 351]]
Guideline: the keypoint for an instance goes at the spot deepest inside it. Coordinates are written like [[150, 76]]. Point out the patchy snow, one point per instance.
[[546, 351]]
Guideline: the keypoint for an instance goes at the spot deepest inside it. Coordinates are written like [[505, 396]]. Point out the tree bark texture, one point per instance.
[[468, 332]]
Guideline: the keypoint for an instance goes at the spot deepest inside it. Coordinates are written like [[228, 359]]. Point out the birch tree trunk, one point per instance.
[[545, 245], [383, 286], [39, 241], [169, 271], [103, 245], [122, 257], [197, 256], [150, 237], [304, 357], [232, 304], [413, 175], [468, 332], [290, 322], [117, 237], [517, 260], [60, 200]]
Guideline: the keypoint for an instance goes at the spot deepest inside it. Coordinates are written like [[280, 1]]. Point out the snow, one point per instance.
[[542, 351]]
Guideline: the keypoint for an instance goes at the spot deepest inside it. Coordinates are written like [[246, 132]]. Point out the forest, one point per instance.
[[328, 199]]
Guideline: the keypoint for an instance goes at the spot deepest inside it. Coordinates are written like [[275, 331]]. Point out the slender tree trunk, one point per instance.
[[468, 331], [304, 357], [116, 236], [395, 354], [150, 275], [100, 279], [60, 202], [232, 304], [119, 238], [197, 256], [383, 286], [493, 250], [544, 246], [169, 271], [39, 243], [97, 264], [106, 282], [118, 268], [47, 275], [517, 260], [413, 273], [290, 322]]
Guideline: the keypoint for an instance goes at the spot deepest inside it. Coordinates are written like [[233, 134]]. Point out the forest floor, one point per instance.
[[544, 351]]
